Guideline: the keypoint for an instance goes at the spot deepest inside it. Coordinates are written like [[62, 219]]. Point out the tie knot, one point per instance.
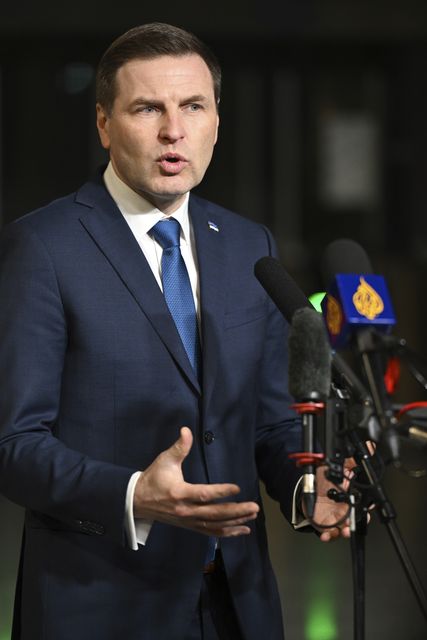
[[166, 232]]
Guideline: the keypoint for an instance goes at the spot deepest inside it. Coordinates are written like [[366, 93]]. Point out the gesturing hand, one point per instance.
[[328, 511], [162, 494]]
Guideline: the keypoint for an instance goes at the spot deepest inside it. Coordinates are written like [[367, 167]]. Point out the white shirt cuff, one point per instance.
[[137, 529], [298, 520]]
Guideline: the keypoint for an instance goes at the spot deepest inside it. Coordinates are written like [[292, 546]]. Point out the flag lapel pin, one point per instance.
[[213, 226]]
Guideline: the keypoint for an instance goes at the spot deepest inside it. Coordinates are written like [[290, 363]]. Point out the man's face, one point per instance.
[[162, 128]]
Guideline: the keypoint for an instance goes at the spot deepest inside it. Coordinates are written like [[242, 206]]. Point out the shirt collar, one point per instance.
[[135, 208]]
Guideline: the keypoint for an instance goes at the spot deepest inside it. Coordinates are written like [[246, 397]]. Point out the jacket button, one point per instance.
[[209, 437]]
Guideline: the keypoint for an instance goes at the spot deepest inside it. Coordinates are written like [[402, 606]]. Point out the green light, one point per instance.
[[316, 300], [320, 623]]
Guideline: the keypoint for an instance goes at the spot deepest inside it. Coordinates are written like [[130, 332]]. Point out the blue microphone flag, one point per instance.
[[355, 301]]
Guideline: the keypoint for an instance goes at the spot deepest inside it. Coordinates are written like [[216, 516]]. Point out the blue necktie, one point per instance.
[[177, 289], [179, 298]]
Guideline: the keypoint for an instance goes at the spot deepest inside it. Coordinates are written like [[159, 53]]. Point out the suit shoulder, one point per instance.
[[46, 216]]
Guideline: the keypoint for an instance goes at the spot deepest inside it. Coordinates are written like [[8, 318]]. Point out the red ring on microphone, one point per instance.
[[308, 407], [305, 457]]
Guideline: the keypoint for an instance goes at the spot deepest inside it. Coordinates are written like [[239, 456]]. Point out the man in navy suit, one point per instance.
[[132, 465]]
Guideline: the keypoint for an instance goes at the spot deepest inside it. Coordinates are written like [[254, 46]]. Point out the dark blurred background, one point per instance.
[[323, 136]]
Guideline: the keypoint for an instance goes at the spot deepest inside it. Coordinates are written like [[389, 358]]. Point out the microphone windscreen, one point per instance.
[[309, 356], [344, 256], [281, 288]]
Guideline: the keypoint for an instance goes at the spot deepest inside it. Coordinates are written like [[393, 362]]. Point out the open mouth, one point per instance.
[[172, 163]]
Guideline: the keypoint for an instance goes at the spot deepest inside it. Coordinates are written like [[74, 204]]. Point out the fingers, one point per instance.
[[227, 513], [205, 493], [223, 520], [223, 532], [220, 519], [335, 533], [220, 532], [371, 446], [220, 528], [223, 529], [327, 514]]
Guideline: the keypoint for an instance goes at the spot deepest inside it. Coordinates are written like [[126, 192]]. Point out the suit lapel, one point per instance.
[[211, 258], [109, 230]]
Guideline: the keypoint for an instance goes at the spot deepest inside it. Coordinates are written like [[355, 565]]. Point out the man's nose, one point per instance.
[[172, 126]]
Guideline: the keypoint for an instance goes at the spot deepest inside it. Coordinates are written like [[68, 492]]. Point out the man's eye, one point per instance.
[[146, 109], [195, 107]]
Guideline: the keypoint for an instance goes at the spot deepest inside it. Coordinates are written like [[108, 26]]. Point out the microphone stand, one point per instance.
[[339, 445], [358, 528], [346, 423]]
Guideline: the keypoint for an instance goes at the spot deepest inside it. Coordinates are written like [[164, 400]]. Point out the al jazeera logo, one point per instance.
[[367, 301], [333, 315]]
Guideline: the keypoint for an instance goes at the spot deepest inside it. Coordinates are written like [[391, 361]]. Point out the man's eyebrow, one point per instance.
[[196, 98], [142, 100]]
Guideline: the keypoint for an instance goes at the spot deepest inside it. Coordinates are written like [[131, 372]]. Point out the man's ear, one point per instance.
[[217, 127], [102, 122]]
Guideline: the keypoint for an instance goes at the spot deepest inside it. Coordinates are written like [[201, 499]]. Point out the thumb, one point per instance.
[[181, 448]]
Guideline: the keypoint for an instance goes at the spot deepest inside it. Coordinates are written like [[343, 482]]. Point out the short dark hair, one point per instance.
[[149, 41]]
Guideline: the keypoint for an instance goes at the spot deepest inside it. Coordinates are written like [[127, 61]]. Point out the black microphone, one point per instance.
[[281, 288], [309, 383], [348, 255]]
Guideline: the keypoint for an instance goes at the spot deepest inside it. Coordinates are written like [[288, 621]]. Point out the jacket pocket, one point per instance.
[[244, 316]]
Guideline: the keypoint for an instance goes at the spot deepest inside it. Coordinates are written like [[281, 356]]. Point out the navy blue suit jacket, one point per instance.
[[95, 383]]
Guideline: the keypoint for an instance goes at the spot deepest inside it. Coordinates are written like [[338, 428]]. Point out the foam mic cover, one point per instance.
[[309, 356]]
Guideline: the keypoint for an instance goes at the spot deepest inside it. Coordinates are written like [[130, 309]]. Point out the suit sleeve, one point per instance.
[[278, 427], [36, 469]]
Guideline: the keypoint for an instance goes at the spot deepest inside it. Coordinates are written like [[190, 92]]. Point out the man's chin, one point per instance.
[[169, 189], [170, 186], [166, 200]]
